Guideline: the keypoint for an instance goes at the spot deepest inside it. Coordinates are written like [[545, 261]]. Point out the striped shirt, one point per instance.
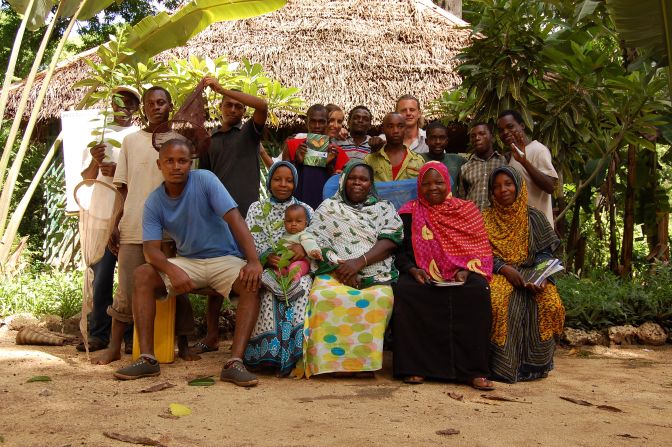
[[474, 176], [353, 150]]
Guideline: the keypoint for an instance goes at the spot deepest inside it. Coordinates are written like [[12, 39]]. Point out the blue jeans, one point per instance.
[[100, 322]]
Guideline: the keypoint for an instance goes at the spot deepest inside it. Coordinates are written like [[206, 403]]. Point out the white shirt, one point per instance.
[[419, 145], [113, 132], [540, 157]]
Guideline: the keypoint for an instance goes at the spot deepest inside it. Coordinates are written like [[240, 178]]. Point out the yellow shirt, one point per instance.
[[382, 166]]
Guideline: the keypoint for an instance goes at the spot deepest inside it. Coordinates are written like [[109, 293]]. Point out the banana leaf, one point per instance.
[[42, 9], [647, 26], [163, 31]]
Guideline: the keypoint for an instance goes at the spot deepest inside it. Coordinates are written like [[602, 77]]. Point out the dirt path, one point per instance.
[[82, 401]]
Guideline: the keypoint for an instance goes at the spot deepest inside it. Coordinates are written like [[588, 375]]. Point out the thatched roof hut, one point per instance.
[[347, 52]]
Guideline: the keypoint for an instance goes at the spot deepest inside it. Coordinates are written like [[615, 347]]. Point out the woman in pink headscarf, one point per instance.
[[442, 315]]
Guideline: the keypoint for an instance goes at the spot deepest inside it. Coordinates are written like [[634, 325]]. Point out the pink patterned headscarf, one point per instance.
[[450, 236]]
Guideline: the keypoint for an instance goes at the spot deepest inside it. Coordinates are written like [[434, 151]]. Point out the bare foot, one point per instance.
[[188, 355], [183, 350], [107, 356]]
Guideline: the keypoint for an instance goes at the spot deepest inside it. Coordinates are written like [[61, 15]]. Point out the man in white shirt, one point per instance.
[[531, 159], [414, 136], [100, 163]]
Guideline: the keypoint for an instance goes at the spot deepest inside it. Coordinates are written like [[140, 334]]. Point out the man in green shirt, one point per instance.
[[394, 161]]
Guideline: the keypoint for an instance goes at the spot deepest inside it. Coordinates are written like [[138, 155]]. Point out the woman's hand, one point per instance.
[[299, 252], [513, 276], [347, 270], [300, 153], [462, 276], [420, 275], [272, 260], [537, 289]]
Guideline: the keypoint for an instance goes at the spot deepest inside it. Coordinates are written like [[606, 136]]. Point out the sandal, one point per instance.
[[199, 348], [483, 384], [414, 380]]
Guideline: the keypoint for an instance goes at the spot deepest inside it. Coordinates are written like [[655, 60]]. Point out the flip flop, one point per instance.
[[414, 380], [483, 384], [199, 348]]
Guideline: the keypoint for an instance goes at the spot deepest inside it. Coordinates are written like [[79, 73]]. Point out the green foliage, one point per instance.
[[42, 292], [180, 77], [562, 66], [601, 300], [59, 233]]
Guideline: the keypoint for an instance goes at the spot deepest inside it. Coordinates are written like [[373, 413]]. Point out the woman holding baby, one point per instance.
[[351, 299]]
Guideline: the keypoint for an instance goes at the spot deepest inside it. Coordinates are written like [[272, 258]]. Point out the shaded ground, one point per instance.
[[83, 401]]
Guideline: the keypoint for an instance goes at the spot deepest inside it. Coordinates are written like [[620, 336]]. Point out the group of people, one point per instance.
[[324, 282]]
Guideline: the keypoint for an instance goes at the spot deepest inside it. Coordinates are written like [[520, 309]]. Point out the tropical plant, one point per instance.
[[560, 64], [148, 37]]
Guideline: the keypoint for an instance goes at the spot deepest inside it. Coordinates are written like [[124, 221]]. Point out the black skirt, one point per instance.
[[442, 332]]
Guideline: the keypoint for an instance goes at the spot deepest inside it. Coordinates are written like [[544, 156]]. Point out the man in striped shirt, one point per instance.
[[356, 146]]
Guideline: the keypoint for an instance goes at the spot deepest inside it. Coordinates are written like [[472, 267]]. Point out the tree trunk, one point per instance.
[[613, 247], [573, 237], [629, 213]]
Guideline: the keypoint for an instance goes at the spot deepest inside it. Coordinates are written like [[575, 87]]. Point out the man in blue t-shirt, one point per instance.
[[197, 212]]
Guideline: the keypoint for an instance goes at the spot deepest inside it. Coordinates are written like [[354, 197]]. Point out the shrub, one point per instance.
[[41, 293], [601, 299]]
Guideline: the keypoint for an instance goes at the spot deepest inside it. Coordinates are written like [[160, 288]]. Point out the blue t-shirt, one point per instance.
[[194, 220]]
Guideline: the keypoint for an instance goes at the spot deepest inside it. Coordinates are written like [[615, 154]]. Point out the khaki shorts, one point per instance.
[[130, 258], [217, 273]]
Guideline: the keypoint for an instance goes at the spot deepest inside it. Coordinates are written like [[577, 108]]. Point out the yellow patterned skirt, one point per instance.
[[344, 327]]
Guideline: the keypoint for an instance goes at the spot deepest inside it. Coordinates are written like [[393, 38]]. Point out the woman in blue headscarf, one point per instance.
[[277, 338]]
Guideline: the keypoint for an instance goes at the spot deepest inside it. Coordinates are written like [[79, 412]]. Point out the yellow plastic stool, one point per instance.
[[164, 332]]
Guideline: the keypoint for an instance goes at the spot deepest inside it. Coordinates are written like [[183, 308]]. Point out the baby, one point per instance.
[[296, 220]]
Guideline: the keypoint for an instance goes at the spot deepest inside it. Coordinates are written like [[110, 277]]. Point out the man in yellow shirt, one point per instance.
[[394, 161]]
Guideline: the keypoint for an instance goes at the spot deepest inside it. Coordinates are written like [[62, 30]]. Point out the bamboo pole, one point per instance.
[[17, 216], [27, 87], [8, 188], [11, 66]]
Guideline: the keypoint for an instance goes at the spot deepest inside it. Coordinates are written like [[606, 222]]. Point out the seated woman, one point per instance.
[[442, 331], [524, 317], [350, 306], [277, 339]]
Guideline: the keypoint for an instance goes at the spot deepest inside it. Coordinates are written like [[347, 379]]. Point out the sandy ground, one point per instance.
[[84, 401]]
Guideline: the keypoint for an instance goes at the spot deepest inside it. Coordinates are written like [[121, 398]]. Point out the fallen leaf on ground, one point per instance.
[[503, 399], [141, 440], [456, 396], [448, 432], [610, 408], [158, 387], [179, 410], [168, 416], [628, 435], [39, 379], [585, 403], [202, 381]]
